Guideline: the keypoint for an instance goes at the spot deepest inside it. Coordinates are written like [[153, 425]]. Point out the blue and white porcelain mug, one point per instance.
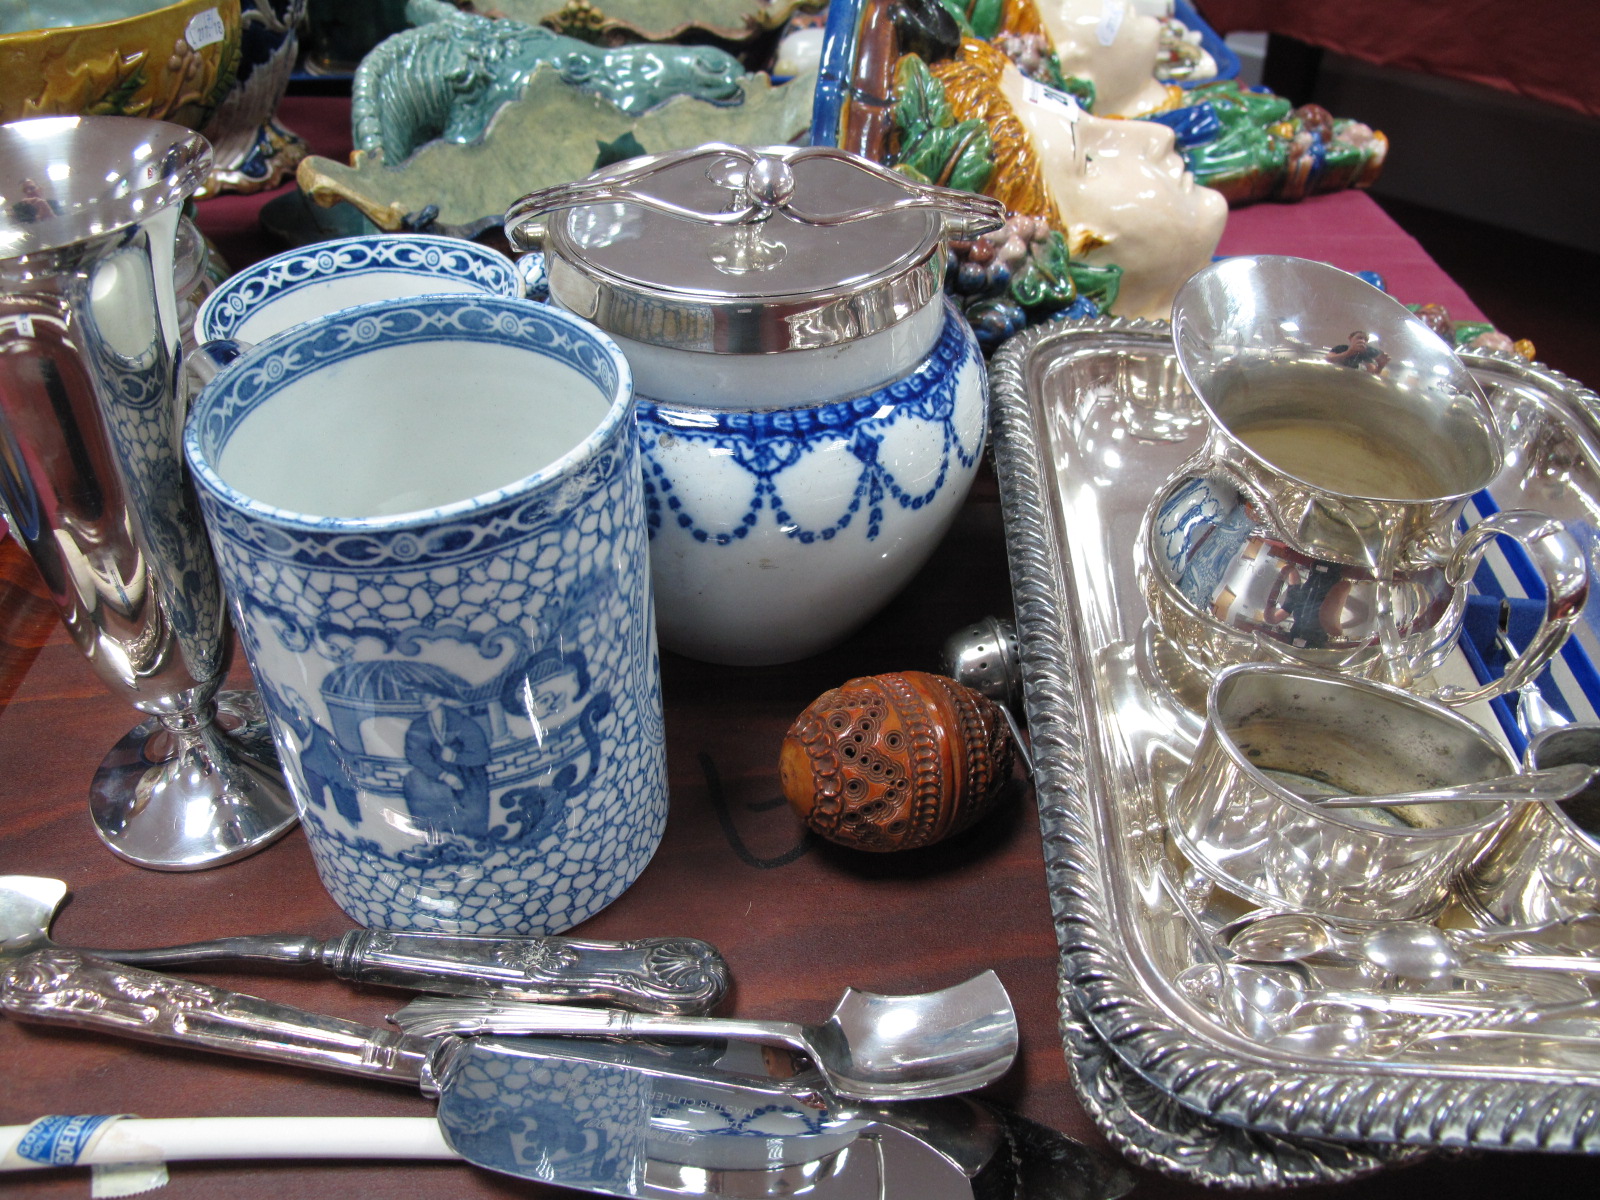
[[298, 285], [429, 518]]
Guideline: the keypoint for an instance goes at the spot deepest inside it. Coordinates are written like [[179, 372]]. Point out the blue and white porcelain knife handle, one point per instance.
[[65, 988], [114, 1140], [654, 975]]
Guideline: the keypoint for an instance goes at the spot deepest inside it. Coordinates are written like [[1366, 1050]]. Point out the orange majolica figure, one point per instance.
[[1118, 180]]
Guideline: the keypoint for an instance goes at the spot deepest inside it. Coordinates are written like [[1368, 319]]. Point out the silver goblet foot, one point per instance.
[[191, 790]]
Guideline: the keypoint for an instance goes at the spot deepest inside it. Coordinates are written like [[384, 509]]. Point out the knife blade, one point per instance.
[[857, 1173], [581, 1115], [1004, 1155]]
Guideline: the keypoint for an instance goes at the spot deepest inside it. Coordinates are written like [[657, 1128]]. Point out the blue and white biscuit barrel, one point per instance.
[[811, 411]]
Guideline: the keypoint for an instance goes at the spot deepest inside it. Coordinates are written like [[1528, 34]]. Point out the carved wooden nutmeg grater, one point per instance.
[[896, 761]]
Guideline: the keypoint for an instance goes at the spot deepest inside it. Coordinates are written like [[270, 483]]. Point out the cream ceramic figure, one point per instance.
[[1114, 45], [1123, 192], [1117, 190]]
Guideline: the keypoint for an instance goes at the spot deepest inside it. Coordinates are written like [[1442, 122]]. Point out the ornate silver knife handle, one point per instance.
[[679, 976], [65, 988], [654, 975]]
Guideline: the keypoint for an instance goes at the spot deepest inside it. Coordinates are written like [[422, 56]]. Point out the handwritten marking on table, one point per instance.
[[719, 805]]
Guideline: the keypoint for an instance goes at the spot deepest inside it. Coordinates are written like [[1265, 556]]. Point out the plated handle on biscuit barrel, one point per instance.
[[759, 185]]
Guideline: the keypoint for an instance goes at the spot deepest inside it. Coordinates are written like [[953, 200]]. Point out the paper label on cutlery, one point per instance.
[[109, 1181], [64, 1141]]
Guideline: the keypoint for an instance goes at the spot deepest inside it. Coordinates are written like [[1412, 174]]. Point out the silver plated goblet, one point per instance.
[[92, 480]]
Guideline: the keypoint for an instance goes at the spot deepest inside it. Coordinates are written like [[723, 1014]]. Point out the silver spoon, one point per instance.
[[1277, 1005], [1553, 784], [1404, 949], [1268, 1003], [872, 1048], [667, 975]]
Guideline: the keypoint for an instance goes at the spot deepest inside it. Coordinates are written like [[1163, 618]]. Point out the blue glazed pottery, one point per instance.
[[775, 533], [812, 410], [430, 523], [270, 296]]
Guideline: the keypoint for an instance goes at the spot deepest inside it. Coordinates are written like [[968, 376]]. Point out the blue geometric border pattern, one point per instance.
[[767, 443], [506, 515], [425, 255], [487, 528]]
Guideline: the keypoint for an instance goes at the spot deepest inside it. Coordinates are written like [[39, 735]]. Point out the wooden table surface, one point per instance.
[[798, 920]]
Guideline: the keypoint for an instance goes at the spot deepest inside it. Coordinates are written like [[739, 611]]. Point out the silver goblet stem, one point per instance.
[[93, 485]]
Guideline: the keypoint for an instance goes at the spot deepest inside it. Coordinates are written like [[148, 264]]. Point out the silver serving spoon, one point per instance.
[[1535, 714], [873, 1047], [664, 975], [1404, 949], [1553, 784]]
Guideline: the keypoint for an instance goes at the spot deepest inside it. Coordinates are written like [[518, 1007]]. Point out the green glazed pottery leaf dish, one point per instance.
[[553, 134], [457, 118]]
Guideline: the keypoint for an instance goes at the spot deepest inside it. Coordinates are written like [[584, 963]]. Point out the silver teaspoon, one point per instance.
[[1404, 949], [1553, 784]]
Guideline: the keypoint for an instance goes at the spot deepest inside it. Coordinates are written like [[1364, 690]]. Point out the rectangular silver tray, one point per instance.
[[1090, 418]]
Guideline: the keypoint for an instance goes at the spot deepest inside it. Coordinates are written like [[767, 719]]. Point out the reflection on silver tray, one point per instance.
[[1091, 417], [1155, 1131]]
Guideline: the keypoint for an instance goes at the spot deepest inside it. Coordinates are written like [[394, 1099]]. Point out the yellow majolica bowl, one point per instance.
[[137, 58]]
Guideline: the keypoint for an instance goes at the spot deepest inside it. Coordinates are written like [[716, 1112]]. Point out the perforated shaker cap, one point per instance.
[[729, 250]]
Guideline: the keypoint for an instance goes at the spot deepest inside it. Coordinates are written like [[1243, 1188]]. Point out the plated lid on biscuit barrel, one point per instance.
[[731, 250]]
